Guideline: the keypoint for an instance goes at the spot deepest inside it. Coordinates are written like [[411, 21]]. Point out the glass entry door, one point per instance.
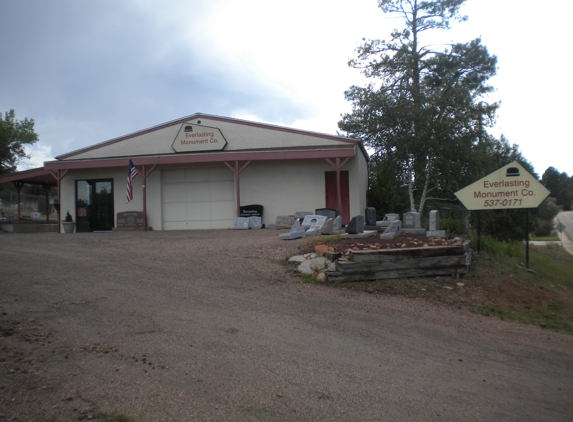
[[94, 205]]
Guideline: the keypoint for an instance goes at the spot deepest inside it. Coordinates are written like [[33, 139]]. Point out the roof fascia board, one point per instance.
[[202, 158], [26, 174]]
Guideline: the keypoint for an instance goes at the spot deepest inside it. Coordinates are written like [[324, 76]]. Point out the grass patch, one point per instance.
[[499, 285], [319, 240], [545, 239]]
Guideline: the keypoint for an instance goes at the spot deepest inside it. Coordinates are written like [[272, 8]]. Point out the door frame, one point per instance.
[[89, 214]]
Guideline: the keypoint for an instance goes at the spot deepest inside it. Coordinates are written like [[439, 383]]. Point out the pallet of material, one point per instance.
[[381, 264]]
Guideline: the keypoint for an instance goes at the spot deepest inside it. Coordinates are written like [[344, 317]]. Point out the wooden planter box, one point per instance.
[[381, 264]]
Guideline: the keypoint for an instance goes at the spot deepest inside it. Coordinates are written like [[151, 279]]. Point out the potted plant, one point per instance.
[[68, 223]]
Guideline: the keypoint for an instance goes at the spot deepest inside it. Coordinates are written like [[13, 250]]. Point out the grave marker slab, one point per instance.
[[129, 220], [392, 230], [241, 223], [370, 216], [356, 225], [296, 232], [255, 222], [284, 221], [254, 210], [411, 223], [327, 227], [337, 223], [436, 233], [434, 220], [411, 220], [302, 214], [327, 212], [313, 221]]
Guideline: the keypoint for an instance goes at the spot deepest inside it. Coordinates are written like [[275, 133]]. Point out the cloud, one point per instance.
[[92, 71]]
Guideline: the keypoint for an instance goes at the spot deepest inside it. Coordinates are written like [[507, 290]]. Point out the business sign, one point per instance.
[[509, 187], [197, 138]]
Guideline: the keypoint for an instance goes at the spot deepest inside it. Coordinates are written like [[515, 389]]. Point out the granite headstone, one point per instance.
[[302, 214], [327, 212], [241, 223], [337, 223], [327, 227], [370, 216], [255, 222], [296, 232], [434, 220], [284, 221], [129, 220], [356, 225], [412, 220], [392, 230]]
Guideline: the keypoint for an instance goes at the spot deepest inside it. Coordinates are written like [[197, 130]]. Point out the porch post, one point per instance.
[[144, 191], [338, 185], [237, 171], [144, 175], [337, 167], [59, 176], [18, 186], [47, 192]]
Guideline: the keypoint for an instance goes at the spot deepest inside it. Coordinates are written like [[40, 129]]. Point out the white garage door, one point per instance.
[[197, 198]]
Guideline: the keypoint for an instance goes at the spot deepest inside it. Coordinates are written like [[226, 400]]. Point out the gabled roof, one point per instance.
[[109, 149], [299, 144]]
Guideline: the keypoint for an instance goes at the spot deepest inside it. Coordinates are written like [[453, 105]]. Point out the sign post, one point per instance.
[[510, 187]]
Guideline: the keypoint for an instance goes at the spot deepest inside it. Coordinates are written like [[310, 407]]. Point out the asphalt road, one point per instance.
[[211, 326], [565, 229]]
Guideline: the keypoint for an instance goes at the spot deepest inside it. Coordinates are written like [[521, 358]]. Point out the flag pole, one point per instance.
[[144, 178]]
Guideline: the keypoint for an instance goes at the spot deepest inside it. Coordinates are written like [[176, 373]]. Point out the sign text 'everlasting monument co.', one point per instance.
[[198, 138], [509, 187]]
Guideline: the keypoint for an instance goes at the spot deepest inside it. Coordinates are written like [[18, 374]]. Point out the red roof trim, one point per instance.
[[27, 174], [202, 158], [211, 117]]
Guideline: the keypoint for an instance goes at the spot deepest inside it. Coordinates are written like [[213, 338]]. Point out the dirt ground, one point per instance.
[[212, 326]]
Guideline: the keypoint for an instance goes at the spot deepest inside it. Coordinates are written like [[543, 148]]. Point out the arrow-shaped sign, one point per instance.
[[509, 187]]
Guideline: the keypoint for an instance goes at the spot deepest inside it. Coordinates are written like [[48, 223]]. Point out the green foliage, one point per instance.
[[453, 225], [385, 192], [68, 218], [425, 117], [545, 215], [15, 135], [561, 187], [424, 113], [495, 247]]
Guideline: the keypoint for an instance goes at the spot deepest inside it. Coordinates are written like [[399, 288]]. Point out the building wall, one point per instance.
[[282, 187], [119, 176]]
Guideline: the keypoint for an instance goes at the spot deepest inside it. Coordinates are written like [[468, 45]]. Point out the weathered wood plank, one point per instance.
[[402, 273], [348, 267]]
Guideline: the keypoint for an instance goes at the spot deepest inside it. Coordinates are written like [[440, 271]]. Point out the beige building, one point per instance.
[[195, 173]]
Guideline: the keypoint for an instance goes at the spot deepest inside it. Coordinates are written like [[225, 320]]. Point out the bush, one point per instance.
[[453, 225], [493, 246]]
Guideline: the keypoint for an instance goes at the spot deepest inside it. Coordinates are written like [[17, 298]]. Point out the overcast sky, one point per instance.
[[89, 71]]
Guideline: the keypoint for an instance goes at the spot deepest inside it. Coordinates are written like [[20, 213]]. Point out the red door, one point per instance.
[[332, 194]]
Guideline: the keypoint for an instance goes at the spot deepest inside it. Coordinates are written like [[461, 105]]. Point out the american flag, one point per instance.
[[131, 173]]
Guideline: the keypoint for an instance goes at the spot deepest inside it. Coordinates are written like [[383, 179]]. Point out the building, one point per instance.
[[195, 173]]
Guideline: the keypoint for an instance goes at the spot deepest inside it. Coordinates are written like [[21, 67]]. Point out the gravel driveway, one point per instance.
[[210, 326]]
